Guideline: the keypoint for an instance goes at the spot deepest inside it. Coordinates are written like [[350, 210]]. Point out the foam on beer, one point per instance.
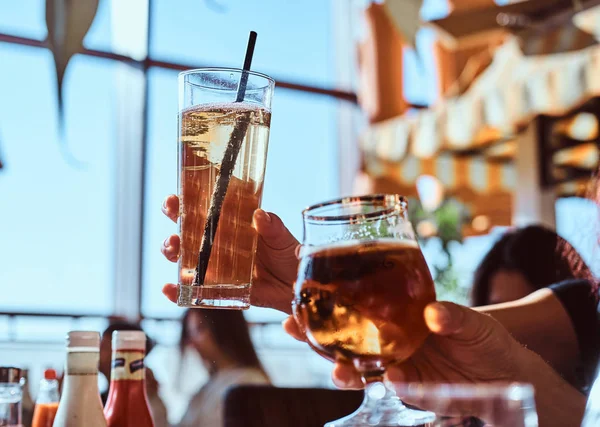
[[233, 107], [341, 244]]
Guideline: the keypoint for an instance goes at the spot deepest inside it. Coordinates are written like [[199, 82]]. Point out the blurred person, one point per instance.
[[222, 340], [157, 407], [486, 344], [522, 261], [527, 259]]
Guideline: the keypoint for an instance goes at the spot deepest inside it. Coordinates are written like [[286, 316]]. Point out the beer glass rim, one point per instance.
[[206, 70], [512, 391], [389, 205]]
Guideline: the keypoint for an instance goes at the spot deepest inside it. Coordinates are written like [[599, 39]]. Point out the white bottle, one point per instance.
[[80, 404]]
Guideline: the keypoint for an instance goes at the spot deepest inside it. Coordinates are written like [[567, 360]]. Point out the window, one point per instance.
[[214, 33], [57, 190], [421, 69], [24, 18], [37, 342], [99, 35], [161, 180], [577, 222], [303, 127], [71, 177], [466, 257], [64, 192]]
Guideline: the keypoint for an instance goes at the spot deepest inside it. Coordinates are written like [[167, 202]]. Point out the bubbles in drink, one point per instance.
[[204, 134]]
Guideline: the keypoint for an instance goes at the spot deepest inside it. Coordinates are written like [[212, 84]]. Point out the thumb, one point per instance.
[[272, 230], [461, 323]]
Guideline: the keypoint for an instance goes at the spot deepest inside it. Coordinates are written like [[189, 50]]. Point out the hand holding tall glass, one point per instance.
[[361, 290], [217, 257]]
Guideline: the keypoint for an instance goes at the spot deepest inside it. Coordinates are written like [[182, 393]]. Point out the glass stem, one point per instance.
[[372, 376], [380, 401]]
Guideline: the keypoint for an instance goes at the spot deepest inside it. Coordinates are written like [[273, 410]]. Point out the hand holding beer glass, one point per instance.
[[362, 287]]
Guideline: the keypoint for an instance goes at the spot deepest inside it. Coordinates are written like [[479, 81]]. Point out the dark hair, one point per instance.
[[230, 333], [536, 252], [117, 324]]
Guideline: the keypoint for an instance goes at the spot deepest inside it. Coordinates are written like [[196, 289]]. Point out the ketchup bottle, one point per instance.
[[127, 404]]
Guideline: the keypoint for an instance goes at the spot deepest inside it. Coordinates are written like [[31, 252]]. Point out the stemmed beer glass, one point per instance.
[[360, 294]]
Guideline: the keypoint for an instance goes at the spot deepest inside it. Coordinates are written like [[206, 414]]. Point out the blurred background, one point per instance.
[[368, 99]]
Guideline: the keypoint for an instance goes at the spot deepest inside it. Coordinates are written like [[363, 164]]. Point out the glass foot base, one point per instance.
[[383, 409], [235, 297], [405, 418]]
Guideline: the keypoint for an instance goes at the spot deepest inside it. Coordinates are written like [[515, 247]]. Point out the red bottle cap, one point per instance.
[[49, 374]]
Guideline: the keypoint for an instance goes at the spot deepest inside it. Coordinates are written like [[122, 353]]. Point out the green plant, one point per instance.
[[445, 223]]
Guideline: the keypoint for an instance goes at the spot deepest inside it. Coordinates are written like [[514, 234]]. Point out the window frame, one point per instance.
[[127, 292]]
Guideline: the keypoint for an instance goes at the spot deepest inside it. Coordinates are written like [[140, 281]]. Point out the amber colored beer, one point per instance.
[[364, 300], [205, 132]]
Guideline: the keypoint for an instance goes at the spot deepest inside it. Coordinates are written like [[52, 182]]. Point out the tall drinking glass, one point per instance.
[[213, 115], [361, 290]]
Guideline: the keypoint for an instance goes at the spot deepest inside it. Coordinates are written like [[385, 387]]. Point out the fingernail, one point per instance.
[[338, 383], [265, 216], [444, 316], [395, 375], [164, 205], [438, 315], [167, 242]]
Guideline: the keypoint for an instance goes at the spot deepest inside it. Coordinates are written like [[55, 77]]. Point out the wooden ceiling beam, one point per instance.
[[570, 173], [562, 142], [558, 18], [528, 17]]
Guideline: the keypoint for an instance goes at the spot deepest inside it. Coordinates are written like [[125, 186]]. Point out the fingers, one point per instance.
[[170, 248], [291, 328], [170, 207], [344, 375], [402, 373], [448, 319], [272, 230], [170, 291]]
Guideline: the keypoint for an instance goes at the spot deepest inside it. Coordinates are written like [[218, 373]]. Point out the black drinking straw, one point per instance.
[[229, 158]]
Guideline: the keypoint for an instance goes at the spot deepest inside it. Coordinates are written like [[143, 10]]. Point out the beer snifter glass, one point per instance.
[[360, 294]]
